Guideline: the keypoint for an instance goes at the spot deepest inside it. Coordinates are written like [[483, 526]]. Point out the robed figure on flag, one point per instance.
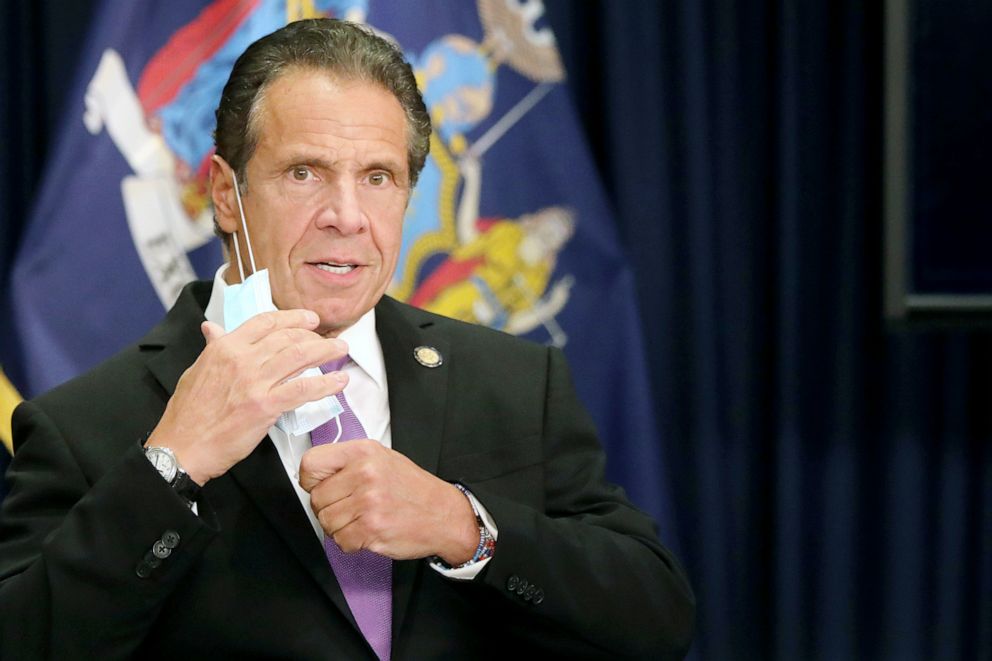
[[508, 226]]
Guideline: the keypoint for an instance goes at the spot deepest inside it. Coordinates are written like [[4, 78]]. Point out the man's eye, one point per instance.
[[378, 178], [301, 173]]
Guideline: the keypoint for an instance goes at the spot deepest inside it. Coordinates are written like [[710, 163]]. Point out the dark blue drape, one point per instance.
[[39, 42], [832, 475]]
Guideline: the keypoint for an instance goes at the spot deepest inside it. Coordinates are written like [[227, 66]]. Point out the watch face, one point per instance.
[[163, 462]]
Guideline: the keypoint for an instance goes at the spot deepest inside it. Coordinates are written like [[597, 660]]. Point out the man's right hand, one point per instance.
[[228, 399]]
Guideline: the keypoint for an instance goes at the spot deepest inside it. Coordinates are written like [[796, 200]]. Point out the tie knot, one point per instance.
[[334, 365]]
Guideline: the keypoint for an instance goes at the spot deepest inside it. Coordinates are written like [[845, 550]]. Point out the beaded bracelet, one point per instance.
[[487, 543]]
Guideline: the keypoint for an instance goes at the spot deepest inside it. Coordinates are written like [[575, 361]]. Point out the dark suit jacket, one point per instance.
[[248, 578]]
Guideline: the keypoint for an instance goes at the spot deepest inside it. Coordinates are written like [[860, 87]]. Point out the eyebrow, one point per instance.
[[388, 165], [303, 159]]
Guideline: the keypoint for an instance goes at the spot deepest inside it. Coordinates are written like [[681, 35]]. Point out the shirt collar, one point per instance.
[[364, 347], [363, 342]]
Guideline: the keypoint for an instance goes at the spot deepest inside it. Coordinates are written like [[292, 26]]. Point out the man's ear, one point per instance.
[[222, 194]]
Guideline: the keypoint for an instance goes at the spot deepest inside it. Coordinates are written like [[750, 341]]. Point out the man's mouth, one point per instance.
[[332, 267]]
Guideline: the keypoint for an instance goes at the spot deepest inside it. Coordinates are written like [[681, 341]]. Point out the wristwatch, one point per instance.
[[165, 462]]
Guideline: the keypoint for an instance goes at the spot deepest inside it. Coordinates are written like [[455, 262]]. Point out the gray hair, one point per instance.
[[346, 51]]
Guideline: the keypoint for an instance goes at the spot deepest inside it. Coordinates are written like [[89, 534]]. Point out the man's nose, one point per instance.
[[341, 209]]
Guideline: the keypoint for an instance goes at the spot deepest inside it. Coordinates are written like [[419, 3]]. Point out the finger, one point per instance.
[[211, 331], [355, 530], [336, 520], [332, 489], [284, 337], [322, 461], [297, 392], [328, 484], [293, 358], [264, 324], [352, 537]]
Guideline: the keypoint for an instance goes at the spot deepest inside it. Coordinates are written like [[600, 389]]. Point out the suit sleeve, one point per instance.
[[77, 579], [587, 563]]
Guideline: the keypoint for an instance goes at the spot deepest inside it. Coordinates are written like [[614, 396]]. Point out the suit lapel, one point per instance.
[[417, 398], [417, 394], [177, 343], [262, 477]]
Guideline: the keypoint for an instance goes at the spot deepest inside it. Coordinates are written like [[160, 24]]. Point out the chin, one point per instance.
[[334, 321]]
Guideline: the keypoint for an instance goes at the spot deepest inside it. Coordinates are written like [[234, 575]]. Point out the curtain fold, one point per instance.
[[830, 471]]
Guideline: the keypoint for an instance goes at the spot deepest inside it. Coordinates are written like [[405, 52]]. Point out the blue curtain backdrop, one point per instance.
[[831, 475]]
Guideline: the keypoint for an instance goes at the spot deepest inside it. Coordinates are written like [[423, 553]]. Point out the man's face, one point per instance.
[[327, 188]]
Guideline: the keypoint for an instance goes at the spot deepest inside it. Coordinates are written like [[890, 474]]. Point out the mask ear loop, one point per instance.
[[244, 226]]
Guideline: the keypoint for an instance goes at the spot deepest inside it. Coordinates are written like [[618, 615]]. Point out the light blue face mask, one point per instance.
[[254, 296]]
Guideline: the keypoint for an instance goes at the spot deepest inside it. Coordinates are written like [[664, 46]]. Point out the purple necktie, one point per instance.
[[365, 577]]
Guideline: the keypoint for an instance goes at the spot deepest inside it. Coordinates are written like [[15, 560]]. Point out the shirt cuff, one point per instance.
[[471, 570]]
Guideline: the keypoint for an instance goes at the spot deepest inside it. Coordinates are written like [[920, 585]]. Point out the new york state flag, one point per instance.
[[508, 226]]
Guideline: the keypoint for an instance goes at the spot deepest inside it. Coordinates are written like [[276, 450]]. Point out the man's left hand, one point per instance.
[[367, 496]]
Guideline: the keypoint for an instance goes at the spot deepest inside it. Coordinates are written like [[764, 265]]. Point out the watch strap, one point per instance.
[[186, 487], [181, 482]]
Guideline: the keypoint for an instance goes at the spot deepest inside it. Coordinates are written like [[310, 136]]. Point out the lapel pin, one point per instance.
[[427, 356]]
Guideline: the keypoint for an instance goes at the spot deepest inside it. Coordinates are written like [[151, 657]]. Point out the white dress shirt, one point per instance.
[[367, 394]]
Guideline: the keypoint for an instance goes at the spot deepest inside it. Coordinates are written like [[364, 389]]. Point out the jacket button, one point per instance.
[[522, 587], [151, 561], [529, 593], [512, 583], [143, 570], [160, 550], [170, 538], [538, 597]]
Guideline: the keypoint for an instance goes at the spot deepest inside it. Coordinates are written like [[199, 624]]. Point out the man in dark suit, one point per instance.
[[160, 508]]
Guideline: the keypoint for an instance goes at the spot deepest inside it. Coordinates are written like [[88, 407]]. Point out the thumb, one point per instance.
[[211, 331]]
